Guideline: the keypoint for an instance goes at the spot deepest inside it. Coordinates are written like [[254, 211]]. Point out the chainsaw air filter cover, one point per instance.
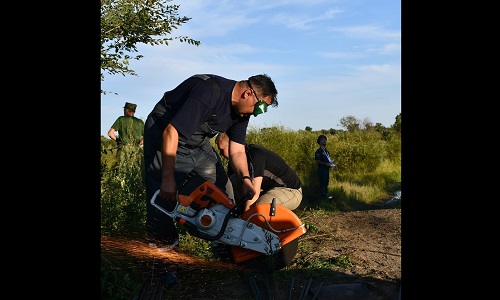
[[199, 193]]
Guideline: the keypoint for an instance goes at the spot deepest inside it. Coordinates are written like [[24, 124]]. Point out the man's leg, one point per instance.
[[209, 166], [323, 182], [287, 197]]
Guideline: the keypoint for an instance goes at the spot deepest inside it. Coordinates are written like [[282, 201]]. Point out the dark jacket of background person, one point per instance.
[[271, 176], [178, 132], [129, 127], [324, 162]]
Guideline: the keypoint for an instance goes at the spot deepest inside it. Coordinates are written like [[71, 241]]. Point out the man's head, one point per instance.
[[265, 88], [256, 94], [130, 106], [321, 140], [222, 143]]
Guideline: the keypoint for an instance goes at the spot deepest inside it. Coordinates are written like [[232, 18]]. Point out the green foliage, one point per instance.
[[333, 131], [310, 227], [357, 152], [123, 194], [397, 124], [393, 146], [126, 23], [325, 263], [350, 123], [343, 261], [295, 147], [108, 154], [194, 245]]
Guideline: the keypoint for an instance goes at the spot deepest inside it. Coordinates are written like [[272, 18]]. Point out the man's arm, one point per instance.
[[320, 163], [257, 183], [238, 161], [111, 134], [169, 143]]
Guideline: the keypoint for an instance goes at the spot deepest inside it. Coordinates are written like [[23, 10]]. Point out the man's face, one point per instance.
[[127, 112], [250, 102], [322, 141]]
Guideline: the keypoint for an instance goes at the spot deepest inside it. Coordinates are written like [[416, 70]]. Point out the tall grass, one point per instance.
[[123, 193]]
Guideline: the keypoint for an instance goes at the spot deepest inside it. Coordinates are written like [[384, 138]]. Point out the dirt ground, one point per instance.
[[370, 239]]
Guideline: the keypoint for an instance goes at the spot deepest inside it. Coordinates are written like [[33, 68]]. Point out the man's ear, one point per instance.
[[247, 93]]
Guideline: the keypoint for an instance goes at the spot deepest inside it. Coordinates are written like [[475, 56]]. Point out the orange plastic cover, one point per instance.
[[284, 218], [201, 193]]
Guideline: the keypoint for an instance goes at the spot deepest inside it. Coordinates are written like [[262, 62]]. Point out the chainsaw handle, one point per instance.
[[236, 211], [163, 204], [247, 197]]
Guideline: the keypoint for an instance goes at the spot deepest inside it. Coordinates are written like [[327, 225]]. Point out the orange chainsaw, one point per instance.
[[263, 231]]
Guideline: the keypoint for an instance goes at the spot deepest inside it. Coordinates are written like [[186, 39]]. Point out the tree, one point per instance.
[[308, 128], [126, 23], [379, 127], [397, 124], [367, 124], [333, 131], [350, 123]]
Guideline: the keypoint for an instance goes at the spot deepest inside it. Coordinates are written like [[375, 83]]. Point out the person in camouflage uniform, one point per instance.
[[129, 127]]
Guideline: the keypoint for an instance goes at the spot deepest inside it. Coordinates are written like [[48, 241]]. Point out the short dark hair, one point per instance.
[[265, 86], [321, 137]]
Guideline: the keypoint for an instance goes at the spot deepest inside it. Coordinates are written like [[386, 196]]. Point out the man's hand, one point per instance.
[[168, 190], [247, 187]]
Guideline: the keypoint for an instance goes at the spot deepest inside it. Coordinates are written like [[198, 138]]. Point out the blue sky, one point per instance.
[[328, 59]]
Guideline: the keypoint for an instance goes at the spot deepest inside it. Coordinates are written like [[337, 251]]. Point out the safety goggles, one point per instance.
[[261, 106]]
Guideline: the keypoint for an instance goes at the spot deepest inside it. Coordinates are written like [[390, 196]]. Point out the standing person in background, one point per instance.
[[177, 139], [130, 128], [324, 162], [270, 175]]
